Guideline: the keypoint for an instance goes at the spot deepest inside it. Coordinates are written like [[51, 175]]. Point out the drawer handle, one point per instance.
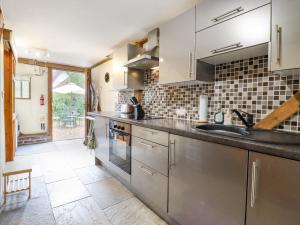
[[227, 48], [253, 184], [149, 131], [278, 42], [147, 145], [229, 13], [147, 171]]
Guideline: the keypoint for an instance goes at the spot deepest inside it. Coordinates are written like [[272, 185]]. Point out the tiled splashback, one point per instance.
[[244, 85]]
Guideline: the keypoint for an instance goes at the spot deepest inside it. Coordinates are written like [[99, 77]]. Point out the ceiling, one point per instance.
[[82, 32]]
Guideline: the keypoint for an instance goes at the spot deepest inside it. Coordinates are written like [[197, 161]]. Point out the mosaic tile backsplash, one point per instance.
[[244, 85]]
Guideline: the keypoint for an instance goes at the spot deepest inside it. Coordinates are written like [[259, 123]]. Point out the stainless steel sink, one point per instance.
[[259, 135], [222, 129]]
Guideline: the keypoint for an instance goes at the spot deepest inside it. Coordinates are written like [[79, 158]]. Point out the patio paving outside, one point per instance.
[[67, 133]]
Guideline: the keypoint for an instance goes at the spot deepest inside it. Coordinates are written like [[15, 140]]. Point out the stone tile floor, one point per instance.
[[68, 189]]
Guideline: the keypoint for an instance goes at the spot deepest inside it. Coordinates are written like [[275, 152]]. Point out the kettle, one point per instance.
[[139, 113]]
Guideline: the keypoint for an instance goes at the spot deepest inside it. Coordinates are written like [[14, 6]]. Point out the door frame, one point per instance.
[[56, 66]]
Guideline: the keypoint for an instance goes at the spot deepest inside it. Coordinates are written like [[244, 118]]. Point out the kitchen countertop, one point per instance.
[[185, 128]]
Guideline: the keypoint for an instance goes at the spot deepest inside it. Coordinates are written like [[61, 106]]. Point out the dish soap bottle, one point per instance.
[[228, 117], [219, 116]]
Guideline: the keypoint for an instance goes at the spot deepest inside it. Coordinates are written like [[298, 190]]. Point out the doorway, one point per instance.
[[68, 105]]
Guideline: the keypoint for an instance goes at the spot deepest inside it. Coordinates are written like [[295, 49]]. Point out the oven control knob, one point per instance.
[[118, 127], [115, 126], [122, 128]]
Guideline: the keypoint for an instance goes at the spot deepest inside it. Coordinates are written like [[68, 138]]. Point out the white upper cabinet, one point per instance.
[[119, 71], [177, 48], [285, 51], [247, 30], [212, 12], [123, 77]]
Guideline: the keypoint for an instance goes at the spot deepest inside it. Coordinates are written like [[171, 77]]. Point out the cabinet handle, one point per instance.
[[147, 145], [124, 78], [149, 131], [106, 131], [172, 155], [147, 171], [229, 13], [253, 184], [226, 48], [278, 42], [190, 64]]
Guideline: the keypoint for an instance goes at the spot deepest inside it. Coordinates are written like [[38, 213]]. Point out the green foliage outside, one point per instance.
[[69, 104]]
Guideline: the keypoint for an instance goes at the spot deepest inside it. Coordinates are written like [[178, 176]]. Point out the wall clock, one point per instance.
[[106, 77]]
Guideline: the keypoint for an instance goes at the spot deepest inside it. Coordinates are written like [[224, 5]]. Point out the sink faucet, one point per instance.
[[248, 121]]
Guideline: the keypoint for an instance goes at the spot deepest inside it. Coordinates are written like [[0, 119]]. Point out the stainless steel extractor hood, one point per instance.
[[150, 57]]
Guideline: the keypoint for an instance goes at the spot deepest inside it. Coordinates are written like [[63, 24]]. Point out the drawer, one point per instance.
[[150, 184], [156, 136], [150, 153]]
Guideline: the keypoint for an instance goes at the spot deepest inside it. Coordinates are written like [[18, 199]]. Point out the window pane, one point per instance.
[[25, 89], [18, 89]]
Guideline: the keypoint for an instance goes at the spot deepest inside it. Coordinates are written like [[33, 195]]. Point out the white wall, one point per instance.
[[2, 140], [108, 96], [29, 111]]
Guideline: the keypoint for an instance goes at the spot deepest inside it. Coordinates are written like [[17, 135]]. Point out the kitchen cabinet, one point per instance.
[[123, 77], [156, 136], [247, 30], [285, 35], [177, 48], [149, 168], [207, 182], [152, 185], [212, 12], [152, 154], [102, 138], [273, 196]]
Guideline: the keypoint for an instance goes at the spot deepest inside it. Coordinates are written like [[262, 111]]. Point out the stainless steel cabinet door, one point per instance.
[[250, 29], [177, 48], [285, 35], [212, 12], [119, 76], [102, 137], [273, 191], [207, 183]]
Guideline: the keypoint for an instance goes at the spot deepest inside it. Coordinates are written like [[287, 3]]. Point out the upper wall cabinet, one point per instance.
[[124, 78], [285, 52], [177, 48], [212, 12], [241, 32]]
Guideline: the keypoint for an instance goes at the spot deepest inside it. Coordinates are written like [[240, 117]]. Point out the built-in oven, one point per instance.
[[120, 145]]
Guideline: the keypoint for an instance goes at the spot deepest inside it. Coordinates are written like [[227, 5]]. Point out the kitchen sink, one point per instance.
[[222, 129], [259, 135]]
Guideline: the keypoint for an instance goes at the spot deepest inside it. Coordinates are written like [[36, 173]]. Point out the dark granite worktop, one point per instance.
[[185, 128]]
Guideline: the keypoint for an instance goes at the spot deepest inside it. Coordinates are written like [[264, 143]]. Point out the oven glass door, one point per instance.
[[120, 149]]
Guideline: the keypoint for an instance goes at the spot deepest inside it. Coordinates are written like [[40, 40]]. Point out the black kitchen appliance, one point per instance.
[[139, 113], [120, 145]]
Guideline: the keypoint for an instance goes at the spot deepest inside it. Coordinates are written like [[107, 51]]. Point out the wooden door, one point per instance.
[[9, 103]]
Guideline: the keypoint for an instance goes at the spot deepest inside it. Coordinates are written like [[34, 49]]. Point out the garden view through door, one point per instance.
[[68, 103]]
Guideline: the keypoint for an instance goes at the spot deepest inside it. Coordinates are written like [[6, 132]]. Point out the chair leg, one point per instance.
[[4, 191], [29, 196]]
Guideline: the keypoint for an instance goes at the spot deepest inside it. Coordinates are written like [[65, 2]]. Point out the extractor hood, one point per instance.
[[150, 57]]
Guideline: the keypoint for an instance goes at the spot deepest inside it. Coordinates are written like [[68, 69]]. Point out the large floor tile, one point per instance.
[[108, 192], [58, 173], [36, 148], [132, 212], [92, 174], [38, 189], [66, 191], [82, 212], [36, 211]]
